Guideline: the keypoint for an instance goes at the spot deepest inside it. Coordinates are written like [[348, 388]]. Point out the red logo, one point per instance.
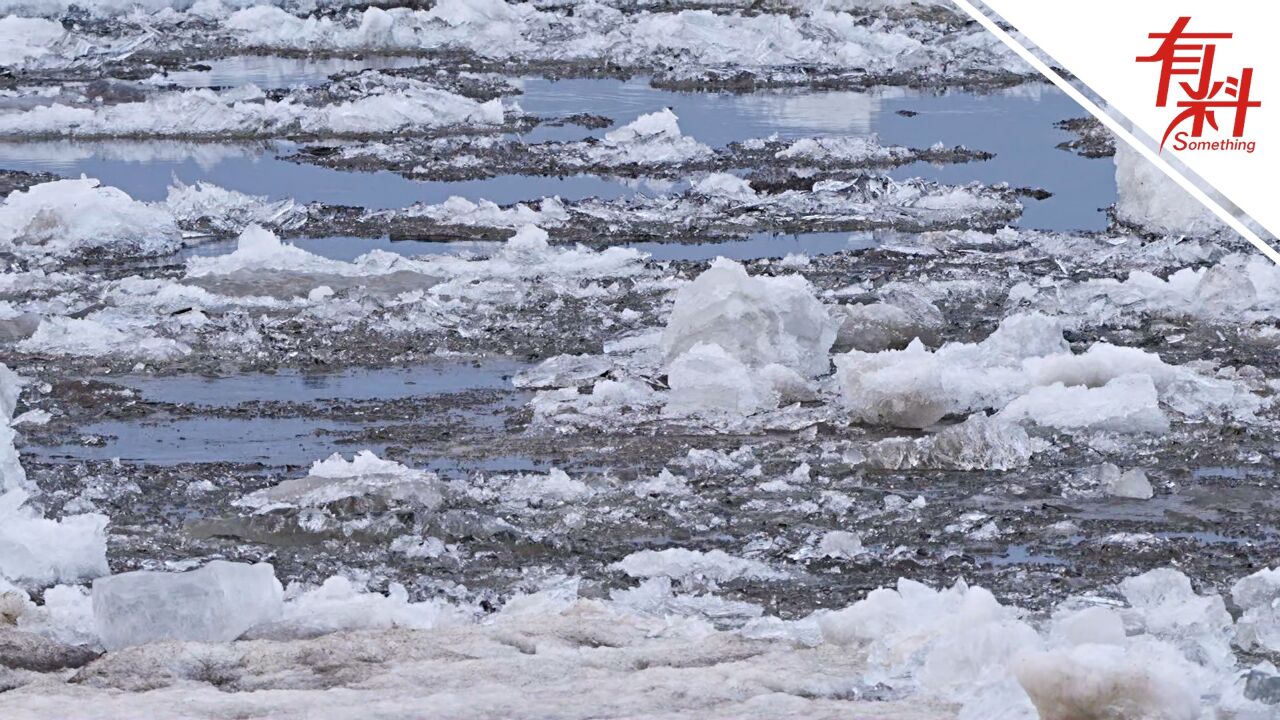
[[1191, 54]]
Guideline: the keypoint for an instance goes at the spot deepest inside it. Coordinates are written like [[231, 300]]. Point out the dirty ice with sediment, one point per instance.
[[702, 359]]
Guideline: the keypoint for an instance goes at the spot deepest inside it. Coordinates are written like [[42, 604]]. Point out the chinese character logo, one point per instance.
[[1190, 55]]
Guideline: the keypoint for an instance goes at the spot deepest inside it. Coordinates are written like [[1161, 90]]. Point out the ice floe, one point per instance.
[[1026, 370], [396, 106]]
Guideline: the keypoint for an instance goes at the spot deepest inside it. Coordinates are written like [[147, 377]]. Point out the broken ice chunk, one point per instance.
[[37, 551], [564, 371], [1146, 197], [840, 544], [889, 325], [1131, 484], [365, 478], [1258, 595], [978, 443], [216, 603], [757, 320], [693, 565], [1107, 681], [1128, 404], [64, 217]]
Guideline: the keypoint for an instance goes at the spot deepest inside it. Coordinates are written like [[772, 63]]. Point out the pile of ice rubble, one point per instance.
[[814, 35], [1162, 651], [75, 219], [387, 105], [265, 276], [737, 345]]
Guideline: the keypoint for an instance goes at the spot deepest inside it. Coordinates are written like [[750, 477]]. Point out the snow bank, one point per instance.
[[1026, 369], [1147, 198], [400, 107], [216, 603], [757, 320]]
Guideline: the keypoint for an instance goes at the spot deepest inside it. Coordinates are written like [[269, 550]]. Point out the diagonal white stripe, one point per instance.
[[1119, 130]]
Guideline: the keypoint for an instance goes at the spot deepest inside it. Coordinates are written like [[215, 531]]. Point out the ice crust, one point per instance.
[[216, 603]]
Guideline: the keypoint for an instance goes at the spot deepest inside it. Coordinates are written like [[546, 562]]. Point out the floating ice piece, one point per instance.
[[956, 642], [757, 320], [260, 250], [1164, 605], [553, 488], [564, 371], [1239, 288], [715, 566], [216, 603], [1146, 197], [1025, 368], [399, 106], [227, 211], [978, 443], [653, 139], [364, 477], [1131, 483], [725, 185], [63, 217], [854, 148], [840, 544], [89, 337], [550, 212], [35, 551]]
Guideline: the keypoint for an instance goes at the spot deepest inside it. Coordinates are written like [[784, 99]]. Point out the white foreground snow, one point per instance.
[[1163, 653]]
